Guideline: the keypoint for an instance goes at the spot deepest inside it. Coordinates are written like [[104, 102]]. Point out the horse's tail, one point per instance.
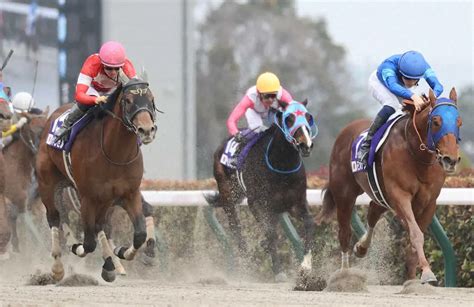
[[329, 206], [212, 198]]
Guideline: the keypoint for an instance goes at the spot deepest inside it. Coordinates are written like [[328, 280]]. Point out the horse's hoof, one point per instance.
[[281, 277], [108, 276], [428, 277], [57, 271], [359, 251], [150, 248]]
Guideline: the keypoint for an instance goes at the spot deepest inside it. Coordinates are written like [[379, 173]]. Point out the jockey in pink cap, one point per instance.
[[100, 75], [267, 94]]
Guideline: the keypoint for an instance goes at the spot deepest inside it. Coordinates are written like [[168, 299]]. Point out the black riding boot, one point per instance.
[[380, 119], [75, 114]]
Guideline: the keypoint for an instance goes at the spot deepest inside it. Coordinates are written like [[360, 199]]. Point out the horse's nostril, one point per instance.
[[141, 131]]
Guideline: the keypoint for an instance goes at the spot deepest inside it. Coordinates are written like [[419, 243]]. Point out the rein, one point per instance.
[[105, 154], [423, 146], [269, 165]]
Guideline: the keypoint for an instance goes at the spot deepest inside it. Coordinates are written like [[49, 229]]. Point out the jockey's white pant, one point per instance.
[[255, 121], [382, 94], [93, 92], [386, 98]]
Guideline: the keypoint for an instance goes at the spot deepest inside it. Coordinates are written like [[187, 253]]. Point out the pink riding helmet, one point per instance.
[[112, 54]]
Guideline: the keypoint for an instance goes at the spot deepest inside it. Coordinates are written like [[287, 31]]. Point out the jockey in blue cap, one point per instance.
[[394, 81]]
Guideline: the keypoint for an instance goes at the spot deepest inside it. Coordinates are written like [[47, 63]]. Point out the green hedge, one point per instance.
[[191, 241]]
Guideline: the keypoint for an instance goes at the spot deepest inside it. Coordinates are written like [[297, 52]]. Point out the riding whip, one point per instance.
[[5, 62]]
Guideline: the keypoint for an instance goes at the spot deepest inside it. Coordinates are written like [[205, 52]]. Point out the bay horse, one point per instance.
[[420, 151], [107, 167], [273, 178], [20, 157], [5, 228]]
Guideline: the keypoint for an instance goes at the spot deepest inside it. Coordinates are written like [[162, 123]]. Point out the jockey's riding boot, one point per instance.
[[71, 118], [380, 119]]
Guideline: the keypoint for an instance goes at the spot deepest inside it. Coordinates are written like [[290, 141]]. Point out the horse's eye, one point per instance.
[[437, 122], [290, 120], [310, 119]]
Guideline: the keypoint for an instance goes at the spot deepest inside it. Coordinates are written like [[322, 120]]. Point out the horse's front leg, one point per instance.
[[133, 206], [373, 216], [405, 211], [150, 228], [89, 221]]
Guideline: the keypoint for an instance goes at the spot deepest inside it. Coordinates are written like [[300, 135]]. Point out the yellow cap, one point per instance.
[[268, 83]]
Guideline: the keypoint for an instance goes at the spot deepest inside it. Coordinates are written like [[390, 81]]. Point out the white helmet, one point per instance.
[[22, 102]]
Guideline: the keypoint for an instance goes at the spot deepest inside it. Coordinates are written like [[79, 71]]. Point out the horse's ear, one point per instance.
[[144, 74], [305, 102], [279, 116], [46, 111], [453, 95], [431, 98]]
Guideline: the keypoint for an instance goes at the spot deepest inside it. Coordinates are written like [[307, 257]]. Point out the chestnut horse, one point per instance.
[[107, 167], [5, 228], [273, 178], [420, 150], [20, 157]]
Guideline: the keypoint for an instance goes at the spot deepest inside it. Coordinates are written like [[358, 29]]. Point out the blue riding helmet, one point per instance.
[[412, 65]]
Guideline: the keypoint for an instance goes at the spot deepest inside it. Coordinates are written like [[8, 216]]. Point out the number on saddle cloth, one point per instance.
[[235, 152]]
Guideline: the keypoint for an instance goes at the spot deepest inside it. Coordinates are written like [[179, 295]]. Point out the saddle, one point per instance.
[[378, 140]]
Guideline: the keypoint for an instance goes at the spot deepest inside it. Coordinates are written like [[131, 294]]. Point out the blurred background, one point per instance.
[[201, 56]]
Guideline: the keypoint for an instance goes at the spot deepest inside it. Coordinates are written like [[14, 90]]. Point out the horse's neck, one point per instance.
[[281, 152], [413, 139], [118, 142]]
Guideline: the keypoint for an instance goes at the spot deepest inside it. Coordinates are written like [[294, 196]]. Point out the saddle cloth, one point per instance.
[[377, 141], [76, 128], [234, 157]]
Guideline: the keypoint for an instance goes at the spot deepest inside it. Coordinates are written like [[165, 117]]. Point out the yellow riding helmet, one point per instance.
[[268, 83]]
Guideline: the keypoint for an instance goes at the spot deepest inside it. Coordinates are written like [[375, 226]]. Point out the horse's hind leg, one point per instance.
[[373, 216], [133, 206], [302, 211], [268, 221], [345, 205]]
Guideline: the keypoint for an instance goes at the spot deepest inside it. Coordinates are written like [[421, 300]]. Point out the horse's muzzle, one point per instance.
[[305, 150], [147, 135], [449, 164]]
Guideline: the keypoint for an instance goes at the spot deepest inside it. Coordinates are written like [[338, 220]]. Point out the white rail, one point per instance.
[[448, 196]]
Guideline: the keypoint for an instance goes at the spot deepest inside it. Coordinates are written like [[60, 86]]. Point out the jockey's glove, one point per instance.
[[21, 122], [101, 99], [239, 137], [418, 101]]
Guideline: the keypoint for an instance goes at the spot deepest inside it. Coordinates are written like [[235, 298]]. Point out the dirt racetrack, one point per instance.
[[158, 293]]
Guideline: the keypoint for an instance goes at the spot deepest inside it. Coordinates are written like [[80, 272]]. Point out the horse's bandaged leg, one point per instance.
[[57, 269], [104, 243], [367, 238], [150, 227], [345, 260], [307, 263], [55, 247], [118, 265]]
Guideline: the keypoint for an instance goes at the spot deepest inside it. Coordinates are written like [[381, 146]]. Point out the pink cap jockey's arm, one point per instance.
[[237, 113]]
